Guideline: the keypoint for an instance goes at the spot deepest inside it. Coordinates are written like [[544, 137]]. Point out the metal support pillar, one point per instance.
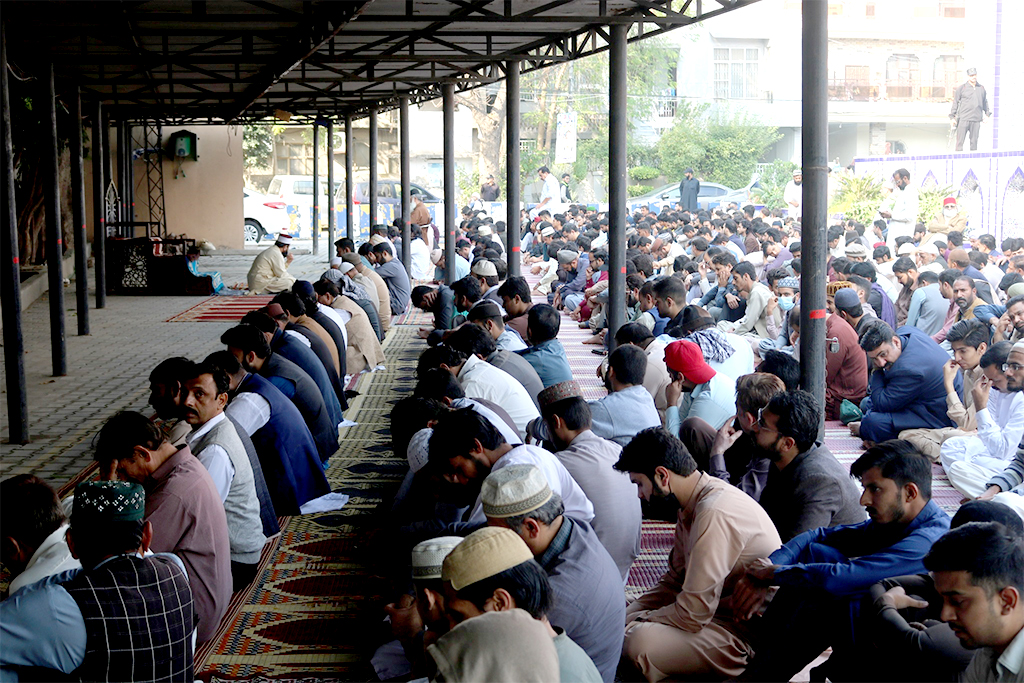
[[10, 278], [406, 172], [332, 219], [54, 242], [129, 174], [512, 192], [99, 209], [617, 120], [448, 101], [78, 207], [350, 214], [371, 191], [314, 222], [122, 175], [814, 216]]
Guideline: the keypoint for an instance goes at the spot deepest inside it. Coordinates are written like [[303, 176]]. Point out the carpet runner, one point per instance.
[[220, 309]]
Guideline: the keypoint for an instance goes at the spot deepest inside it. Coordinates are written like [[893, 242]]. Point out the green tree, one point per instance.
[[773, 183], [721, 147]]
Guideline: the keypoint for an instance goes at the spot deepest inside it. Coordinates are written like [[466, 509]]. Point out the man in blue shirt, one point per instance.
[[124, 616], [824, 574], [546, 354]]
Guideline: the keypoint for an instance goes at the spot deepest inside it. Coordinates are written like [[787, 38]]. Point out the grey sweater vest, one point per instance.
[[245, 529]]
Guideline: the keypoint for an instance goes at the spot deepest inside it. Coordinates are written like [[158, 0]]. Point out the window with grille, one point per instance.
[[736, 71], [293, 158]]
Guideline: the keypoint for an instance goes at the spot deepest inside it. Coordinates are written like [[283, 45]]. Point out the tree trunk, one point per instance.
[[489, 117]]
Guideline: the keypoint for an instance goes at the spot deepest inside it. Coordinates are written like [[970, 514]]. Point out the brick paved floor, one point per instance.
[[109, 369]]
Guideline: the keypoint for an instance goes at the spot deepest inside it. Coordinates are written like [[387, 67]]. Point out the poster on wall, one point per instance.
[[565, 138]]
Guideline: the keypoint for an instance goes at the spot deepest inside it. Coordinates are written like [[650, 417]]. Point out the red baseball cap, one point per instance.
[[685, 357]]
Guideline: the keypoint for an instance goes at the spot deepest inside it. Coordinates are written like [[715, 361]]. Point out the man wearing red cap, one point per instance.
[[709, 395], [949, 219]]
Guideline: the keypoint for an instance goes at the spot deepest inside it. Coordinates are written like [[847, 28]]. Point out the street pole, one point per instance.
[[448, 102], [54, 241], [78, 208], [406, 173], [512, 162], [617, 120]]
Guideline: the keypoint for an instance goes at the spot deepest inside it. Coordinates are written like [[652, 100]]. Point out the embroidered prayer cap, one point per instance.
[[832, 287], [514, 490], [567, 256], [797, 172], [335, 261], [929, 249], [345, 267], [428, 556], [948, 200], [482, 554], [349, 257], [109, 501], [377, 239], [284, 238], [547, 232], [557, 392], [790, 282], [857, 250], [484, 268], [416, 451], [686, 358], [334, 274], [275, 310], [435, 256], [906, 249], [972, 71], [485, 231]]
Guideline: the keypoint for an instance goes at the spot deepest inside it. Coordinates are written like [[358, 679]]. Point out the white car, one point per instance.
[[296, 191], [264, 216]]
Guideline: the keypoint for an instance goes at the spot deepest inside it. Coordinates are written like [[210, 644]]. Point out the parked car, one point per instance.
[[296, 191], [264, 216], [389, 191], [711, 195]]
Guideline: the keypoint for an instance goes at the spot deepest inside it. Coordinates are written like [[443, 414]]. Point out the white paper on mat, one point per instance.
[[326, 503]]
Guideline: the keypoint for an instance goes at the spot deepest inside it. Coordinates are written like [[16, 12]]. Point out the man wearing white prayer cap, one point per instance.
[[586, 584], [269, 272]]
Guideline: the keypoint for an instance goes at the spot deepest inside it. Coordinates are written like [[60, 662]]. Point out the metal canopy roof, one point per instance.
[[230, 60]]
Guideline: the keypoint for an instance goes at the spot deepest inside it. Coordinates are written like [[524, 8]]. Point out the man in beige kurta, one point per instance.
[[684, 627], [269, 272], [381, 287], [363, 352]]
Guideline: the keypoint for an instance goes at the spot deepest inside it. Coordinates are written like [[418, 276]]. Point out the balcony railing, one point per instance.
[[844, 90]]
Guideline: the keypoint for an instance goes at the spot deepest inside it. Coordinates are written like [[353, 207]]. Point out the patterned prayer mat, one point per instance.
[[314, 612], [414, 316], [221, 309]]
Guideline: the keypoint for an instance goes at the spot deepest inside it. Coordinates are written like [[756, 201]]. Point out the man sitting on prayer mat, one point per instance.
[[269, 272], [182, 504], [123, 616]]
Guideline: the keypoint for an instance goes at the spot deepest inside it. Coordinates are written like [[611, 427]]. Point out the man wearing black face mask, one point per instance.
[[683, 628]]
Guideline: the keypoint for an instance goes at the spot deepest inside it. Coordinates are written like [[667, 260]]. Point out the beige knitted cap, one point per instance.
[[484, 553]]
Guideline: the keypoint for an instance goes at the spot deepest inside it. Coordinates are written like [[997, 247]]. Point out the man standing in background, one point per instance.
[[689, 188], [969, 103]]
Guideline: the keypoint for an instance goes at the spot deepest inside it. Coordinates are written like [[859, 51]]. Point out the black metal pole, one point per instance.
[[448, 102], [350, 215], [122, 180], [512, 171], [129, 170], [406, 172], [814, 215], [54, 242], [99, 209], [10, 279], [617, 119], [331, 216], [371, 191], [78, 208], [315, 220]]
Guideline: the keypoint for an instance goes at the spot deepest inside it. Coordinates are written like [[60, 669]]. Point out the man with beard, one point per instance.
[[269, 272], [965, 296], [807, 487], [978, 570], [793, 194], [465, 447], [590, 459], [824, 574], [902, 216], [1005, 487], [1011, 324], [684, 627]]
